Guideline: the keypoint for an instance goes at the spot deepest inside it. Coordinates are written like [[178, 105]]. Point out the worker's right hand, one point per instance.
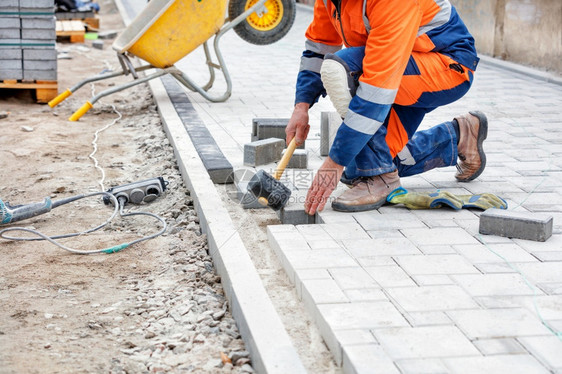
[[298, 126]]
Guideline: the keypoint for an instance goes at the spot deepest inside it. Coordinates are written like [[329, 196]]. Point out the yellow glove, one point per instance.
[[483, 201], [433, 200], [424, 200]]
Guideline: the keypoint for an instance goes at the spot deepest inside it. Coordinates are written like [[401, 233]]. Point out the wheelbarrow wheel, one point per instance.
[[265, 26]]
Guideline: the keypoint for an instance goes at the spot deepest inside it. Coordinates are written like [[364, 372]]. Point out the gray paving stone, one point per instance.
[[380, 247], [349, 278], [512, 364], [485, 253], [431, 298], [497, 323], [329, 258], [421, 366], [434, 250], [552, 245], [386, 222], [329, 125], [367, 358], [490, 347], [547, 349], [365, 294], [495, 268], [521, 225], [322, 291], [436, 318], [345, 231], [425, 342], [439, 236], [355, 337], [432, 280], [435, 264], [263, 152], [554, 288], [390, 276], [360, 315], [544, 272], [494, 284]]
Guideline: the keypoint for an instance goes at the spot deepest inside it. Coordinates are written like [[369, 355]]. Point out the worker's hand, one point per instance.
[[324, 183], [298, 126]]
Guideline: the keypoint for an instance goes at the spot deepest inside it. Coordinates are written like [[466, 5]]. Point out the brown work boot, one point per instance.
[[368, 193], [473, 129]]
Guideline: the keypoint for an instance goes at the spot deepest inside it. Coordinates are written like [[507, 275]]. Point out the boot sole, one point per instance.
[[482, 135], [357, 208]]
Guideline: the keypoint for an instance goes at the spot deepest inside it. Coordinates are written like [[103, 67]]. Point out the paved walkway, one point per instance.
[[406, 291]]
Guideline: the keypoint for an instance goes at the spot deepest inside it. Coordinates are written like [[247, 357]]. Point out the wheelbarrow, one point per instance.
[[165, 31]]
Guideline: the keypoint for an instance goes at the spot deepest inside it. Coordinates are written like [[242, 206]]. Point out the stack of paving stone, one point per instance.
[[27, 40]]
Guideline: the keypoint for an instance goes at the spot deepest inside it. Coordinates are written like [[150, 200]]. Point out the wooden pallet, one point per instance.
[[90, 19], [45, 91], [72, 28]]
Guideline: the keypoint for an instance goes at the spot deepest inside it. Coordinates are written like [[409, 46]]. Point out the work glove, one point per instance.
[[483, 201], [433, 200], [424, 200]]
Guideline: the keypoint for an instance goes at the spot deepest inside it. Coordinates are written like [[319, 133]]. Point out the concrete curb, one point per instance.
[[260, 326], [270, 347]]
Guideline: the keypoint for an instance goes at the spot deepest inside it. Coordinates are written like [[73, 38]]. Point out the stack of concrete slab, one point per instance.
[[28, 40]]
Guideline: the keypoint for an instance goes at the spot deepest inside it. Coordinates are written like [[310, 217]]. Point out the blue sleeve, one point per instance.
[[309, 84]]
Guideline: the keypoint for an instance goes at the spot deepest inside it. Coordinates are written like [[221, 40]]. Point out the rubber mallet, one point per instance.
[[268, 189]]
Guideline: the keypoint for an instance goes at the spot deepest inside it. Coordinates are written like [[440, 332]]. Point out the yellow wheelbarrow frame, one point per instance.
[[163, 33]]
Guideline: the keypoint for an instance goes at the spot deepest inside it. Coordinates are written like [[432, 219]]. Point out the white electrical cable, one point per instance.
[[96, 137]]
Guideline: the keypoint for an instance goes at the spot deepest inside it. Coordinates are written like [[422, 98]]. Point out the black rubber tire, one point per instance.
[[252, 35]]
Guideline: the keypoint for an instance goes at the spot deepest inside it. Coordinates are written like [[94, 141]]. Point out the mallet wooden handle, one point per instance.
[[285, 159], [281, 166]]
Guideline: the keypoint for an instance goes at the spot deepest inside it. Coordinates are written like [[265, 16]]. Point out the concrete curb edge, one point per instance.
[[259, 324]]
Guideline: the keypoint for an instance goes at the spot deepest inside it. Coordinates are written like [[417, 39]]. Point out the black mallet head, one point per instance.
[[263, 185]]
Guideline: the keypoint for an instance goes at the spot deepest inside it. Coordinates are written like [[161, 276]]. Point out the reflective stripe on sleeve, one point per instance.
[[441, 18], [361, 123], [311, 63], [376, 95], [321, 48]]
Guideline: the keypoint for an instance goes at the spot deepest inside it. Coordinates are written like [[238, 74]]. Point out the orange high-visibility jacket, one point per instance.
[[390, 30]]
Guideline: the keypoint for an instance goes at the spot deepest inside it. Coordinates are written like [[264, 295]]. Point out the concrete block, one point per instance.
[[10, 74], [10, 3], [9, 22], [98, 44], [264, 128], [38, 34], [10, 54], [107, 34], [10, 42], [9, 33], [39, 4], [40, 75], [11, 64], [299, 159], [74, 15], [293, 214], [40, 65], [521, 225], [329, 124], [31, 53], [46, 23], [263, 152]]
